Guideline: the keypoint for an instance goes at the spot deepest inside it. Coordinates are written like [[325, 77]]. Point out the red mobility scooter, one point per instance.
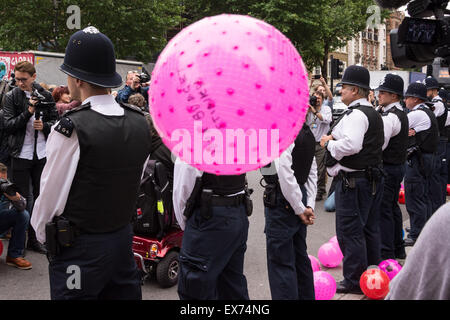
[[158, 237]]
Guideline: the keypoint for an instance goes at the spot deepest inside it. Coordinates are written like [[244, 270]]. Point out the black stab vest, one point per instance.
[[113, 150], [303, 154], [395, 152], [223, 185], [441, 119], [371, 152], [426, 140]]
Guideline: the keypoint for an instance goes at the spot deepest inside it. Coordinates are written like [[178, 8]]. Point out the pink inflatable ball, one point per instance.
[[391, 267], [324, 285], [333, 240], [229, 94], [330, 255], [315, 264]]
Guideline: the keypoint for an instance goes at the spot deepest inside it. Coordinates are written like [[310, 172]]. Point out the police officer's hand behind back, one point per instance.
[[307, 216]]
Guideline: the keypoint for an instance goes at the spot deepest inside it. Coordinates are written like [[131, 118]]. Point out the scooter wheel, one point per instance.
[[167, 270]]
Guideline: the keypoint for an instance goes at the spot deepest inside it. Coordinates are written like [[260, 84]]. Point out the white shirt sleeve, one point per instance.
[[348, 135], [288, 183], [184, 177], [392, 127], [418, 120], [63, 155], [311, 185], [439, 108]]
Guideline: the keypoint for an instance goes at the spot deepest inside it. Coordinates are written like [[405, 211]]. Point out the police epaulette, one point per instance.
[[82, 107], [65, 126]]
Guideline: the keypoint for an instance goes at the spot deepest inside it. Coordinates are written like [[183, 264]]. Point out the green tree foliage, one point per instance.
[[141, 28], [314, 27], [136, 27]]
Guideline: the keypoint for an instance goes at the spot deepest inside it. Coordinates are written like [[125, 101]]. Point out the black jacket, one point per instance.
[[16, 116]]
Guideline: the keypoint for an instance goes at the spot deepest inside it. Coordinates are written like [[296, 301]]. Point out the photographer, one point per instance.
[[28, 118], [134, 85], [16, 218], [318, 118]]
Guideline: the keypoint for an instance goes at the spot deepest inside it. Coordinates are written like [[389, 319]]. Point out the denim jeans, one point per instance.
[[18, 221]]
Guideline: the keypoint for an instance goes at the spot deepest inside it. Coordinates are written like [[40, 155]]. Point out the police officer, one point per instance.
[[212, 212], [422, 145], [439, 177], [354, 156], [89, 185], [289, 200], [394, 157]]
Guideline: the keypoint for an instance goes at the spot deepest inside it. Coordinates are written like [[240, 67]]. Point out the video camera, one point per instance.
[[418, 41], [7, 187], [41, 104]]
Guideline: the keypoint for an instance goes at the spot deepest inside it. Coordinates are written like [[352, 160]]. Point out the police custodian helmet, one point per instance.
[[431, 83], [418, 90], [90, 57], [357, 76], [392, 83]]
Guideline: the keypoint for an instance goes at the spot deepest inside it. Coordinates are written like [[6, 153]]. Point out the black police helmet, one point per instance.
[[392, 83], [90, 57], [431, 83], [357, 76], [418, 90], [444, 94]]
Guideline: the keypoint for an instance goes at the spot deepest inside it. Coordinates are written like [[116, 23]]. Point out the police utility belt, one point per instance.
[[205, 199], [373, 174], [59, 233]]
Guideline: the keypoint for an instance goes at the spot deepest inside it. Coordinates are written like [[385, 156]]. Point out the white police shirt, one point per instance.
[[439, 107], [63, 155], [391, 123], [348, 137], [289, 185], [184, 176], [418, 119]]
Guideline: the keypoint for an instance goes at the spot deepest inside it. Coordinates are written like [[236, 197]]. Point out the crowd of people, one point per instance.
[[58, 148]]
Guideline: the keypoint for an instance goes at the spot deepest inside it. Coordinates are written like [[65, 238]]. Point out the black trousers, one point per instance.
[[418, 193], [391, 221], [358, 227], [98, 266], [288, 264], [212, 255], [27, 177]]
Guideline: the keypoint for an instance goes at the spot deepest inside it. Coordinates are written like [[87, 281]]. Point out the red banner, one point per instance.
[[8, 61]]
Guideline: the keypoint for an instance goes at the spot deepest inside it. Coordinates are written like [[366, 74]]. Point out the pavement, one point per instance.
[[33, 284]]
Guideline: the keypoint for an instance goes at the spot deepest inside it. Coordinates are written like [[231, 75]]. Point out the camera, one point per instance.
[[317, 76], [143, 78], [417, 41], [7, 187], [41, 104], [313, 101]]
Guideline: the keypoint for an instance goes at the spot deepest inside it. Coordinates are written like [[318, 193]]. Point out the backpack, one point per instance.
[[154, 209]]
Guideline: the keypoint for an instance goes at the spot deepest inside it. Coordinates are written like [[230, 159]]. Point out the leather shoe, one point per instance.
[[409, 242], [19, 262], [343, 288], [37, 247]]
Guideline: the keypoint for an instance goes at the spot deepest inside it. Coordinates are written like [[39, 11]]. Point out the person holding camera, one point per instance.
[[328, 99], [136, 83], [16, 217], [318, 119], [96, 155], [29, 113]]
